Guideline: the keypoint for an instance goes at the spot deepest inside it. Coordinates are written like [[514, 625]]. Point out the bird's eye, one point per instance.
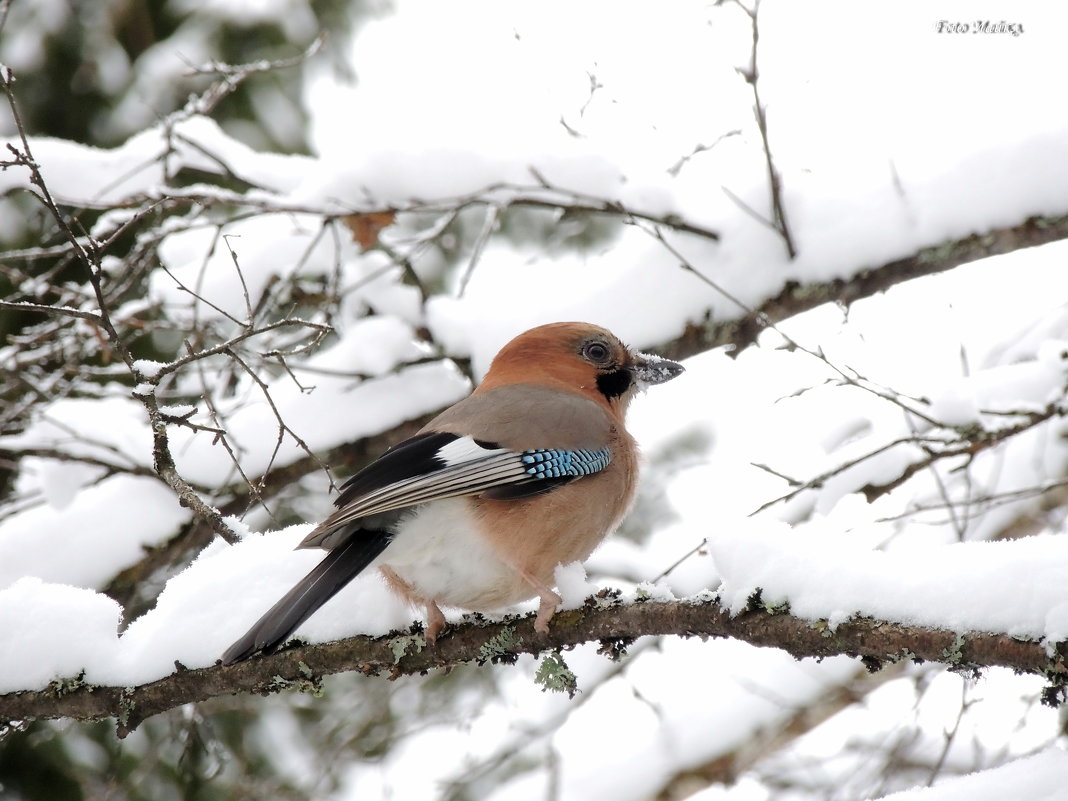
[[597, 352]]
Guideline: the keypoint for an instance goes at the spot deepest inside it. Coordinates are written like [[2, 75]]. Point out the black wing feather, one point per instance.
[[413, 457], [511, 492]]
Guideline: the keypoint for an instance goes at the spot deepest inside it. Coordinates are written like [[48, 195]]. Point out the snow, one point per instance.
[[148, 368], [573, 586], [110, 429], [69, 629], [78, 173], [1014, 587], [1036, 778], [88, 528]]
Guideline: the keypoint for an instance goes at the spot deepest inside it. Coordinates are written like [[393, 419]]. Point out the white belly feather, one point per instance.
[[443, 559]]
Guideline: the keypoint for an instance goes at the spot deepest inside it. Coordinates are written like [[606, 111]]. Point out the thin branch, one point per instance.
[[968, 444], [545, 196], [757, 748], [522, 737], [971, 443], [489, 225], [198, 297], [950, 734], [751, 76], [818, 481], [771, 225], [667, 571], [244, 70], [985, 503], [231, 76], [851, 378], [283, 426], [57, 455], [217, 416], [44, 308], [676, 168], [227, 347]]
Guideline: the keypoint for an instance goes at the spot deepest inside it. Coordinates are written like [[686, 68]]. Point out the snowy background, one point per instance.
[[890, 137]]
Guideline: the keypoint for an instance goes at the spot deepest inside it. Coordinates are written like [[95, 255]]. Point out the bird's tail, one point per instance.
[[338, 568]]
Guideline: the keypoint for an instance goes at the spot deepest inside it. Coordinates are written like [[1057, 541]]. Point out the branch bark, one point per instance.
[[613, 623], [794, 298]]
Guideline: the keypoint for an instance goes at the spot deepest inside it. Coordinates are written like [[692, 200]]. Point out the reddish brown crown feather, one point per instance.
[[552, 355]]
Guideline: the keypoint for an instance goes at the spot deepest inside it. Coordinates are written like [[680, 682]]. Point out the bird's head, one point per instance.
[[579, 357]]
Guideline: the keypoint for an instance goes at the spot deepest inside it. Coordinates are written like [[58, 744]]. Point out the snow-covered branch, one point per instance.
[[738, 332], [612, 623]]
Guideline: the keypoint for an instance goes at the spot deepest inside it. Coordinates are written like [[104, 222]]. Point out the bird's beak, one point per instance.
[[649, 369]]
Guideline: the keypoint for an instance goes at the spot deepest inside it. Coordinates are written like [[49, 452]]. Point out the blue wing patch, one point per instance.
[[557, 463]]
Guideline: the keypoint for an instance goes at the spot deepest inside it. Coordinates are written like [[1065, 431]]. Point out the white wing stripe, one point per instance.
[[465, 449]]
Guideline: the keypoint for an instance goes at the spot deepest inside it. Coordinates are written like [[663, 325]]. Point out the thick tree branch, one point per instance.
[[615, 624], [794, 298]]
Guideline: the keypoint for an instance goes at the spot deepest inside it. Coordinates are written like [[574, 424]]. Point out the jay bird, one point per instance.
[[530, 471]]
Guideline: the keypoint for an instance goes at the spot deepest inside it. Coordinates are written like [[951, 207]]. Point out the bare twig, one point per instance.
[[985, 503], [950, 735], [505, 194], [283, 427], [198, 297], [489, 225], [44, 308], [57, 455], [522, 737], [676, 168], [751, 75], [243, 70], [970, 443]]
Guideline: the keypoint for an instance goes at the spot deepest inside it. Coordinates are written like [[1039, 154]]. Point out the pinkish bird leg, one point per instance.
[[435, 622], [549, 601]]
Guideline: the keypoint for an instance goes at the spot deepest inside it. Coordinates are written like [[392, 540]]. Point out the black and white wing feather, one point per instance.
[[434, 466]]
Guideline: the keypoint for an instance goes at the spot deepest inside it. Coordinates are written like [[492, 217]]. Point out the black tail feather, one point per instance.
[[338, 568]]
